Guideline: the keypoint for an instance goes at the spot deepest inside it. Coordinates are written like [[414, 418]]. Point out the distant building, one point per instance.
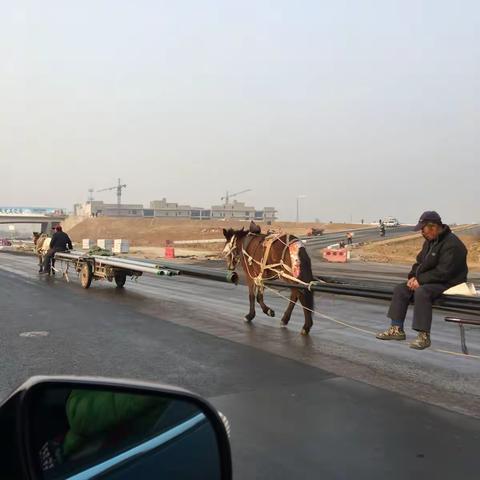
[[240, 211], [164, 209], [97, 208]]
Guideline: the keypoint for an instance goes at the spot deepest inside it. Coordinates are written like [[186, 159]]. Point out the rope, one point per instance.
[[363, 330], [260, 279], [323, 315]]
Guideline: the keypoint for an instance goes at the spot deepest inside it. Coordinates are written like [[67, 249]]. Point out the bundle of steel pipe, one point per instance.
[[148, 266], [71, 255], [191, 270], [112, 261], [456, 303], [145, 268]]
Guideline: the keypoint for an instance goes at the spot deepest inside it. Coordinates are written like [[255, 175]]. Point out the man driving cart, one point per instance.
[[60, 242]]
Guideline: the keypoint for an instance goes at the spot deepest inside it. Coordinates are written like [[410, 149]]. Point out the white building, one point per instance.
[[97, 208], [164, 209], [240, 211]]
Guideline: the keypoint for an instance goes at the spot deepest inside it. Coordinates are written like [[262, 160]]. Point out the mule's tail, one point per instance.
[[306, 275]]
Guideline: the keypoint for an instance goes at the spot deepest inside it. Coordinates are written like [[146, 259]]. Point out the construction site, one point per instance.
[[230, 209]]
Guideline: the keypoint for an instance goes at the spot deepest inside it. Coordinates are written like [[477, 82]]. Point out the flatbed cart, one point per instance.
[[99, 267]]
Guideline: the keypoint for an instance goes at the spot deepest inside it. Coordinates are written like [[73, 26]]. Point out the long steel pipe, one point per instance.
[[191, 270], [155, 267], [113, 262]]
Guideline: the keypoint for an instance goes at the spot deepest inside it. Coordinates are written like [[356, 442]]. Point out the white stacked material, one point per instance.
[[121, 246], [105, 244], [88, 243]]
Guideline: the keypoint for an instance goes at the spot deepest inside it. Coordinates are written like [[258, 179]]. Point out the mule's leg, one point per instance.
[[266, 310], [306, 299], [251, 297], [290, 307]]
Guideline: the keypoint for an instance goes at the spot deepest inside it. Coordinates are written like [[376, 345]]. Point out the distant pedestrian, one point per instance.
[[349, 238], [441, 264]]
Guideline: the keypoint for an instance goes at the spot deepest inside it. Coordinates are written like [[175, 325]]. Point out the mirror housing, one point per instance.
[[185, 434]]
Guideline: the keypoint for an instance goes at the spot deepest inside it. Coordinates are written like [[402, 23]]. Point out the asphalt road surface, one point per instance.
[[336, 405], [367, 234]]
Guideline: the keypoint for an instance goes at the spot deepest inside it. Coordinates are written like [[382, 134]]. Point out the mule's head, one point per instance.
[[233, 246]]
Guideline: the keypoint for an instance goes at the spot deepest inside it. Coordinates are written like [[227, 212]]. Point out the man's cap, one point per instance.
[[429, 216]]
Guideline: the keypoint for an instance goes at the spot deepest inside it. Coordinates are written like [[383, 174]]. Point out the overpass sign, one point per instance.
[[31, 211]]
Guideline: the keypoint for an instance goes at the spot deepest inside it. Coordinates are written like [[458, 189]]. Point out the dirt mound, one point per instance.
[[405, 250], [474, 252], [156, 231]]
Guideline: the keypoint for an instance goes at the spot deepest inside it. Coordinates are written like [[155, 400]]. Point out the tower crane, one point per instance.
[[228, 195], [118, 188]]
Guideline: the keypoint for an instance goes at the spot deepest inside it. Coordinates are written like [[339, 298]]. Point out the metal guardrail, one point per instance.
[[199, 242], [461, 322], [457, 303]]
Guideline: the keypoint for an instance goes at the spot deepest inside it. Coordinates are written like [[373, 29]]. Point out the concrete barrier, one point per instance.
[[106, 244], [339, 255], [88, 243], [121, 246]]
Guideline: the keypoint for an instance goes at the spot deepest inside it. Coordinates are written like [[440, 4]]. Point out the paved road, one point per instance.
[[294, 408], [367, 234]]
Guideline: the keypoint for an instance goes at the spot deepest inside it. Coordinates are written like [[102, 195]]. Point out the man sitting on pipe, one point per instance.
[[441, 264], [60, 242]]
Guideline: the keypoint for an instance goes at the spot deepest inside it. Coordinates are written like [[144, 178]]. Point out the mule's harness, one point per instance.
[[279, 269]]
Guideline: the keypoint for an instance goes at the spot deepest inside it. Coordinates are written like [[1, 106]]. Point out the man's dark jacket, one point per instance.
[[443, 260], [60, 241]]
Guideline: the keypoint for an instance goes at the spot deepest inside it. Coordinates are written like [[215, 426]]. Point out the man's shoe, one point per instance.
[[422, 341], [393, 333]]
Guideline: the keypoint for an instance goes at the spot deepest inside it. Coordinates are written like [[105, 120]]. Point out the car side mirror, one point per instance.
[[79, 428]]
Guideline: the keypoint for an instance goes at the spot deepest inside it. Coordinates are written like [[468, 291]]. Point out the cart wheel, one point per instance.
[[120, 279], [86, 275]]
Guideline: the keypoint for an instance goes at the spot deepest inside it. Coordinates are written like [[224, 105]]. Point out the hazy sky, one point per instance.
[[370, 108]]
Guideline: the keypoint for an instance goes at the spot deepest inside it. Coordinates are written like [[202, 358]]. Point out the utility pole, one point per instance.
[[299, 197]]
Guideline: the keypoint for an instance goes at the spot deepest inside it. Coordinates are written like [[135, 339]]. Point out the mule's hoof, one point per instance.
[[270, 313], [248, 318], [304, 331]]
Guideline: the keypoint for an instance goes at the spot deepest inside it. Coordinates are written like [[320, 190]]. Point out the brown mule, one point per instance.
[[271, 257]]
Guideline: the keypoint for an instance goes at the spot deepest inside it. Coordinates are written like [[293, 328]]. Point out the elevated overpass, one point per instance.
[[46, 218]]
